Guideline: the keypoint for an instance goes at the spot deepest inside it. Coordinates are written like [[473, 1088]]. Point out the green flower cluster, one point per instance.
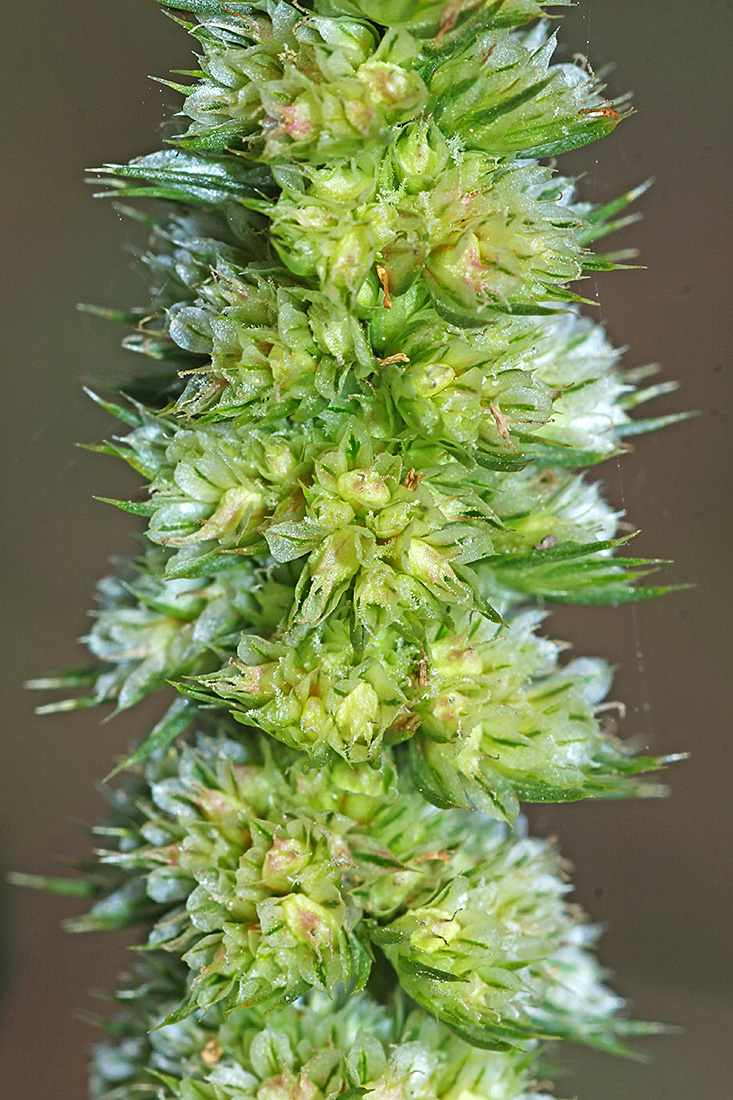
[[490, 715], [363, 460], [317, 89], [272, 878], [319, 1050]]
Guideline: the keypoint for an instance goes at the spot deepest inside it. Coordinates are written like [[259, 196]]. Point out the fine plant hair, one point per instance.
[[364, 432]]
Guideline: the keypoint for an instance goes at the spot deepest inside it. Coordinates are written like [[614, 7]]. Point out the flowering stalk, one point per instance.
[[363, 471]]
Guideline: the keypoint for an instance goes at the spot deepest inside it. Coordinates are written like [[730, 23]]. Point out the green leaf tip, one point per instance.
[[65, 887]]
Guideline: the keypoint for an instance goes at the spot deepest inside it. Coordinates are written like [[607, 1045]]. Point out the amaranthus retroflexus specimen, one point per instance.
[[363, 454]]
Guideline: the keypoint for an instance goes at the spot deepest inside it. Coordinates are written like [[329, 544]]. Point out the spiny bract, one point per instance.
[[363, 460]]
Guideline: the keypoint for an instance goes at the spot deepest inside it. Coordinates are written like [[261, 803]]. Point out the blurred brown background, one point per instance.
[[658, 874]]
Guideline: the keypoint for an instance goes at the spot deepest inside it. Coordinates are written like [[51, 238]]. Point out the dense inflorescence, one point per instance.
[[363, 465]]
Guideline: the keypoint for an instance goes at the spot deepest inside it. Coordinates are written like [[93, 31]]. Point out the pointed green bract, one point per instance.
[[362, 453]]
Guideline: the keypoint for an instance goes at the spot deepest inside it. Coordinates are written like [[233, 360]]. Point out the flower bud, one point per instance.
[[330, 569], [351, 258], [280, 461], [394, 90], [432, 378], [358, 716], [311, 924], [364, 489], [236, 505], [429, 565], [286, 858], [392, 520], [421, 152]]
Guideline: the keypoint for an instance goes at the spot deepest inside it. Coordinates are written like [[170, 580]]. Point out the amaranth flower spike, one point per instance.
[[363, 472]]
